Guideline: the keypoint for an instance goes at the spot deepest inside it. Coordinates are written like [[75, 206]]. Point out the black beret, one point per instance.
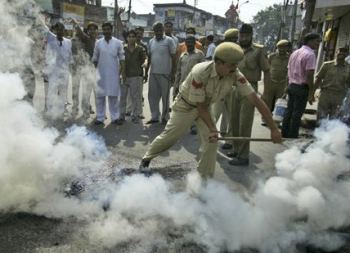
[[245, 28]]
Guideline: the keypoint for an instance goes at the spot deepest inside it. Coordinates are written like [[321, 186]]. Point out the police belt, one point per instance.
[[194, 106]]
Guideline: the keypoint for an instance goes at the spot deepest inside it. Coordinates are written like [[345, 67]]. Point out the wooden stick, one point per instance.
[[231, 138]]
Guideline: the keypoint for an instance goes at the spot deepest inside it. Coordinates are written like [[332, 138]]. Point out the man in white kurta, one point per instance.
[[58, 61], [109, 59]]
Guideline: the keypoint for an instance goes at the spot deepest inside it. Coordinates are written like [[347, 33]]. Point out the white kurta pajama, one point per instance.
[[108, 55], [58, 59]]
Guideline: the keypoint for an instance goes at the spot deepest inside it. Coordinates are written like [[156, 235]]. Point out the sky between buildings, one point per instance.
[[218, 7]]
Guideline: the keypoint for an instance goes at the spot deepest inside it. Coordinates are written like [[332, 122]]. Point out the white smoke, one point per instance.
[[298, 206], [34, 162]]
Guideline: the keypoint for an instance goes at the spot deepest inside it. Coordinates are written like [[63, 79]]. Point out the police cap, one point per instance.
[[246, 28], [229, 52], [282, 43], [92, 24], [230, 33]]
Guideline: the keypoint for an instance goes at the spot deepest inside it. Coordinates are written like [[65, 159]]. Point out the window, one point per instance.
[[92, 2]]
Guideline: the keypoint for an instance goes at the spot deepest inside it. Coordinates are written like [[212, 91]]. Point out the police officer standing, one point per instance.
[[279, 71], [254, 61], [334, 80], [208, 82]]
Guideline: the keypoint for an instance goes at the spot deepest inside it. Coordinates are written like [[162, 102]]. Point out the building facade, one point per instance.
[[183, 15], [333, 19], [83, 11]]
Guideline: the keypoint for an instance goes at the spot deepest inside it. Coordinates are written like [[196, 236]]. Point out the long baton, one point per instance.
[[234, 138]]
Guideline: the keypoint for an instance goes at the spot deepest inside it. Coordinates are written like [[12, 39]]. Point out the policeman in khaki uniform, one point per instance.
[[207, 83], [279, 73], [224, 106], [334, 80], [254, 61]]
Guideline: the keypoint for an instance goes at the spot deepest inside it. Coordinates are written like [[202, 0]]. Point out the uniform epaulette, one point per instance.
[[258, 45]]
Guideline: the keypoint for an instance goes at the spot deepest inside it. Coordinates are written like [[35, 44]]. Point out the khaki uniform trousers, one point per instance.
[[178, 125], [242, 122], [224, 108], [328, 104], [272, 92]]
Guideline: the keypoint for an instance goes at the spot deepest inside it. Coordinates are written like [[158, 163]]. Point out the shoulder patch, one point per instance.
[[197, 85], [242, 80]]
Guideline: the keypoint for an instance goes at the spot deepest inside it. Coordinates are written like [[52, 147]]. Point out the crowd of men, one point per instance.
[[209, 81]]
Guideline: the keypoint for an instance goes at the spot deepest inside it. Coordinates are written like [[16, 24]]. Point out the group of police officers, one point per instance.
[[227, 86]]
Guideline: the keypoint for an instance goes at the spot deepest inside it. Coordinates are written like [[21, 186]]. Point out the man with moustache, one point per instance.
[[207, 83], [109, 59], [58, 61], [254, 62], [334, 80], [162, 64]]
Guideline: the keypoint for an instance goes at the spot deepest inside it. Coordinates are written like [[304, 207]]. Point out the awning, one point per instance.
[[330, 10], [45, 5]]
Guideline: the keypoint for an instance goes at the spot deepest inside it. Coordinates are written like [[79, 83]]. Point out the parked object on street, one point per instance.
[[280, 109]]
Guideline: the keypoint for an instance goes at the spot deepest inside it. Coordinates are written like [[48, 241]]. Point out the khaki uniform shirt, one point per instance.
[[254, 61], [278, 67], [185, 65], [204, 85], [335, 77]]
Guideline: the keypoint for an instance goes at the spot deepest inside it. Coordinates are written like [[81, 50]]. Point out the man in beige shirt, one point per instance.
[[187, 60], [207, 83]]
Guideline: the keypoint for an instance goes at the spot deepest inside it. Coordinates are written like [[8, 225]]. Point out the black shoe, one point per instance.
[[226, 146], [152, 121], [118, 122], [264, 124], [97, 122], [144, 168], [193, 130], [135, 120], [239, 161], [141, 116], [128, 114], [232, 154], [91, 110]]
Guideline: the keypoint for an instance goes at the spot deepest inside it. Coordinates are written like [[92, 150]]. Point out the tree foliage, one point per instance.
[[267, 24]]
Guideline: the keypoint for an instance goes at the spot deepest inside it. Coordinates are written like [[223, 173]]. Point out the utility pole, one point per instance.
[[116, 8], [129, 11], [292, 32], [309, 12]]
